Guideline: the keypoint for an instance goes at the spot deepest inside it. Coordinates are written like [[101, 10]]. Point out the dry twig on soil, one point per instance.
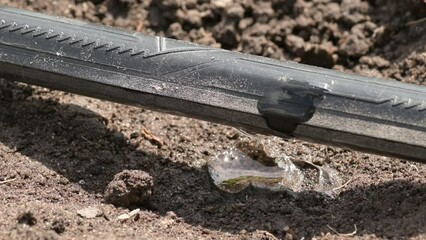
[[344, 234], [8, 180], [128, 215], [344, 185], [151, 137], [414, 22]]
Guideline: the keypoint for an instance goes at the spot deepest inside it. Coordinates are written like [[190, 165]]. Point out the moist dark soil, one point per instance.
[[59, 152]]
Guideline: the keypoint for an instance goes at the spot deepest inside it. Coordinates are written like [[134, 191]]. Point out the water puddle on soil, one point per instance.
[[263, 163]]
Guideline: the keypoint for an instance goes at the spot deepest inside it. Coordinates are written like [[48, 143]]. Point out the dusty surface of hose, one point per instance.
[[256, 93]]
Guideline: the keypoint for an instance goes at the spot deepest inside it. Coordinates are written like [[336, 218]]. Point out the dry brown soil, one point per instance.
[[59, 151]]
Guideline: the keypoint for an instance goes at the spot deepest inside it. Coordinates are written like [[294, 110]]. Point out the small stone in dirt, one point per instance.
[[226, 35], [221, 3], [129, 187], [192, 17], [27, 219], [236, 11], [171, 215], [319, 55], [288, 236], [353, 46], [90, 212], [295, 44], [304, 22], [3, 111], [263, 11], [118, 138], [58, 226], [354, 11], [374, 61]]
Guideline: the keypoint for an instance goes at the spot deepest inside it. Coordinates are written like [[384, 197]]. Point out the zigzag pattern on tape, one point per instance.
[[97, 45], [49, 34], [393, 100], [407, 103]]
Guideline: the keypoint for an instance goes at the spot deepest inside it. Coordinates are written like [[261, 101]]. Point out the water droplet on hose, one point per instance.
[[233, 171], [264, 164]]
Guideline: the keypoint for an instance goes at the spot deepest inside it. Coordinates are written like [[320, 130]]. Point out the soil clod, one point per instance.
[[130, 188], [27, 219]]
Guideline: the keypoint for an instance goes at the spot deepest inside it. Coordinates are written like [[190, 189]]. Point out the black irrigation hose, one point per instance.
[[259, 94]]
